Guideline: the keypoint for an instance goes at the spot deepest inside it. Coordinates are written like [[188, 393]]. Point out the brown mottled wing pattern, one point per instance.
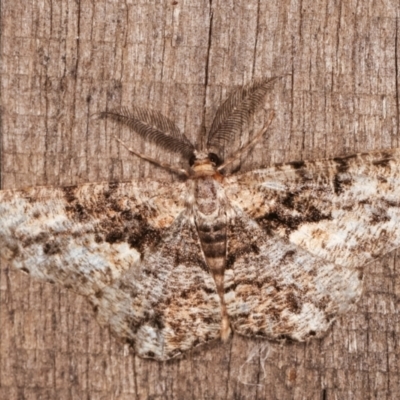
[[276, 289], [118, 245], [309, 229], [169, 304], [84, 236]]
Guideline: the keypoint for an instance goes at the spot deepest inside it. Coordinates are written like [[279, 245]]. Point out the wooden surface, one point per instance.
[[63, 61]]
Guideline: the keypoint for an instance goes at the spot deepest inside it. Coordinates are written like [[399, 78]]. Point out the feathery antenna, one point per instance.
[[153, 126], [237, 110]]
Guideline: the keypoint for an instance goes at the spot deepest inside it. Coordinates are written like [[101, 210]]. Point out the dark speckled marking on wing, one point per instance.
[[167, 305], [85, 237], [275, 289], [129, 249], [345, 210]]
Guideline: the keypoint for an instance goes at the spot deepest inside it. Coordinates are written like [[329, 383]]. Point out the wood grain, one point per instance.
[[64, 61]]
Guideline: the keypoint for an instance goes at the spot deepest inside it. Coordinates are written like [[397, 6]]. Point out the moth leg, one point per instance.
[[250, 144], [178, 171]]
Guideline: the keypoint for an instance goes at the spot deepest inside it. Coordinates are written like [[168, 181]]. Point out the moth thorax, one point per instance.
[[206, 194]]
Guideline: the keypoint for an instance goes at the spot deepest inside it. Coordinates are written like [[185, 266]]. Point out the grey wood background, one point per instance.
[[62, 61]]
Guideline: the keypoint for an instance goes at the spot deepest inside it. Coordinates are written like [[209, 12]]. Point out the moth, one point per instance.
[[274, 253]]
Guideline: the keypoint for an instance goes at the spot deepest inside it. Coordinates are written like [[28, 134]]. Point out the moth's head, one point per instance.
[[204, 164]]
